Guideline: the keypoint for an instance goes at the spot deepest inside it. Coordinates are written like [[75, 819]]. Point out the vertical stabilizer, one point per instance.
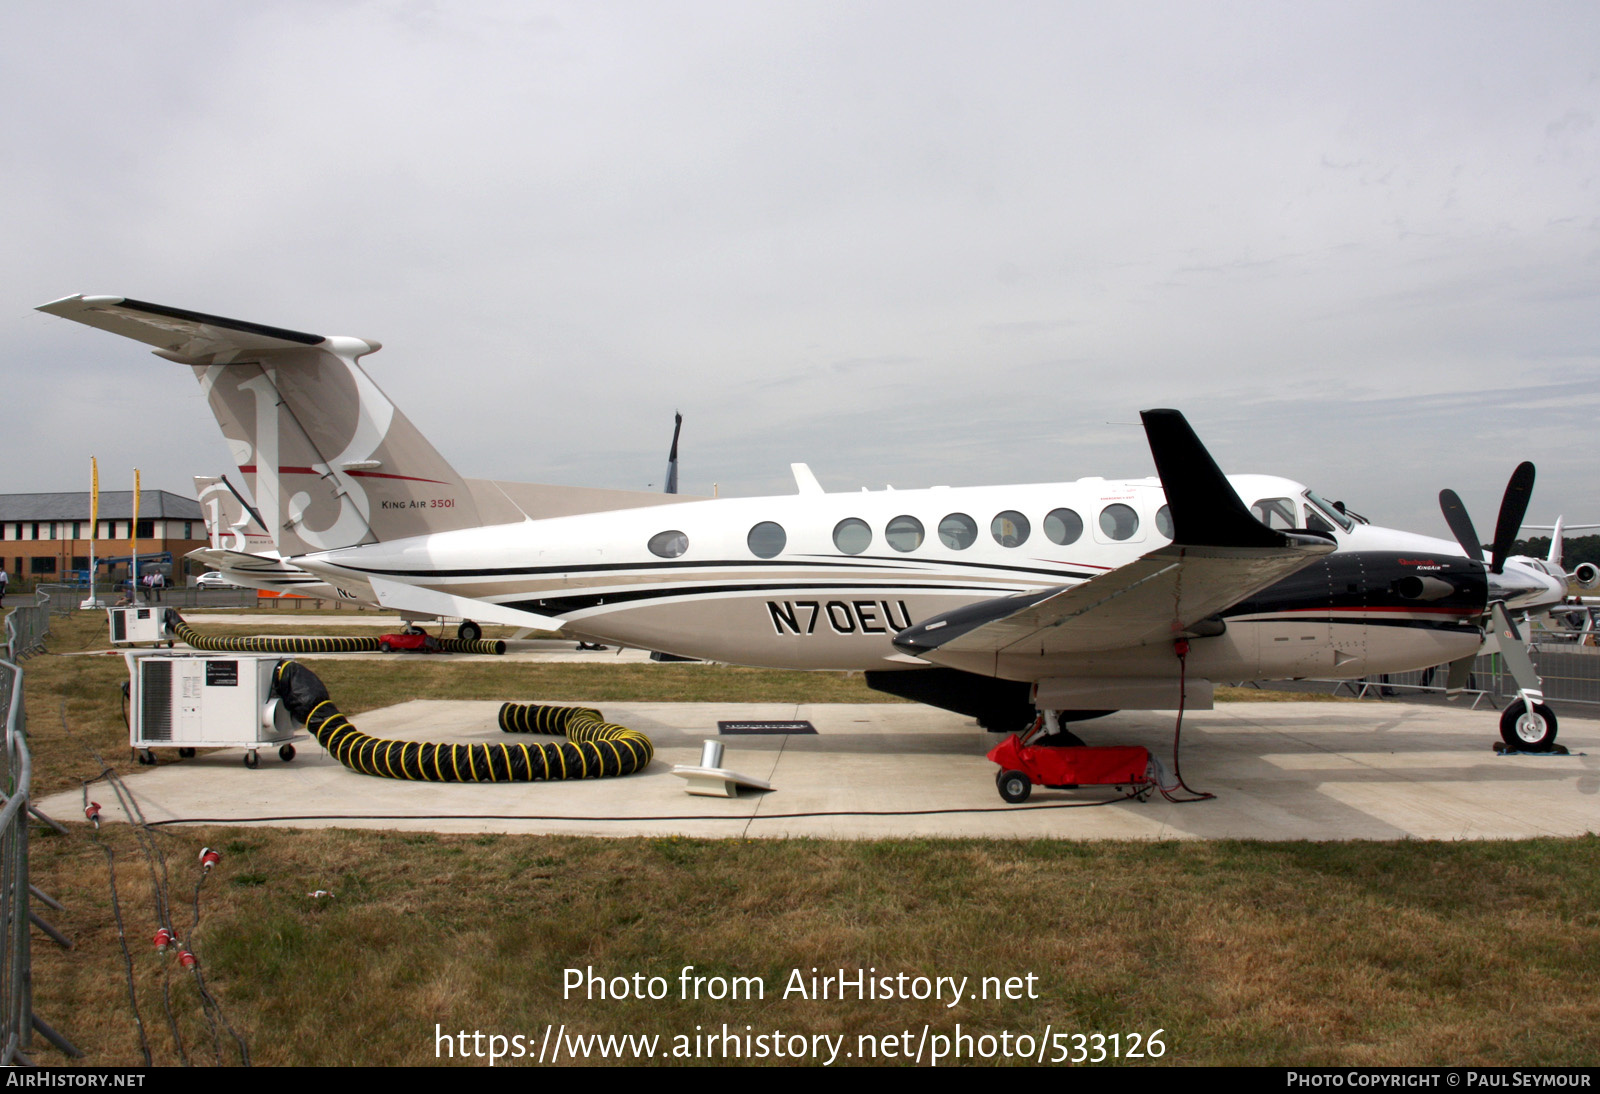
[[672, 455], [329, 460]]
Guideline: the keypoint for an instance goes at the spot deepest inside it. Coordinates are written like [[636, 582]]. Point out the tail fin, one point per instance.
[[232, 524], [672, 456], [329, 459]]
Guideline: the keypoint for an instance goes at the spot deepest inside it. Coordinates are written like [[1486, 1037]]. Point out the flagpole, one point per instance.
[[94, 527], [133, 541]]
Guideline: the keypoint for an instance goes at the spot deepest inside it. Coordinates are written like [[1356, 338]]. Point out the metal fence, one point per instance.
[[1571, 673], [187, 597], [16, 989], [26, 629], [59, 599]]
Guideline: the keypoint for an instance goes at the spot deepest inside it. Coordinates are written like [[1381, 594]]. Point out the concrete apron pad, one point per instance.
[[1314, 771]]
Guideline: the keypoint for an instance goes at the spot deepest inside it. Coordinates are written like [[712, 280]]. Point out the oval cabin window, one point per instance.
[[669, 544]]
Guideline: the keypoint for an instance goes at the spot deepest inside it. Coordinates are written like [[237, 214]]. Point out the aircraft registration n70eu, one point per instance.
[[1069, 598]]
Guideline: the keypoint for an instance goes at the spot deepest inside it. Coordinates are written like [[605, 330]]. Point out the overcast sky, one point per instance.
[[909, 243]]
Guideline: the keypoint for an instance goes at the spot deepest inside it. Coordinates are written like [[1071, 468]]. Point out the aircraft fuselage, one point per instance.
[[846, 572]]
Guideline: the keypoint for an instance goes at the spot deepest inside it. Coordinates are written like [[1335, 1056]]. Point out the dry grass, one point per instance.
[[1244, 953]]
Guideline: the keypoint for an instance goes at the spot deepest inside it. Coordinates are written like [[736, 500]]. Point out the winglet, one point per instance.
[[1206, 511]]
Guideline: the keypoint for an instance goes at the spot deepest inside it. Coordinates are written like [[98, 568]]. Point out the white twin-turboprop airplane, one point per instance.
[[1070, 598]]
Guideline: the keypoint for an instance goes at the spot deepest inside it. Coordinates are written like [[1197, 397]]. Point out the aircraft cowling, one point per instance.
[[1587, 575]]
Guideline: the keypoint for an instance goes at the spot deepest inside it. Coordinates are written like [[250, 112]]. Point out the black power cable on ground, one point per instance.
[[192, 638], [593, 748]]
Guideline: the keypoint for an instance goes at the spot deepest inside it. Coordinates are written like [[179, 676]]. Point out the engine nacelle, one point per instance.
[[1587, 575]]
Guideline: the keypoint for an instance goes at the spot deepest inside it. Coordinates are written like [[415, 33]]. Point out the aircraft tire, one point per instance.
[[469, 631], [1015, 786], [1535, 732]]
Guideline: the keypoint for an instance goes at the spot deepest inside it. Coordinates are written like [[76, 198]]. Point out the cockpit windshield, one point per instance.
[[1335, 514]]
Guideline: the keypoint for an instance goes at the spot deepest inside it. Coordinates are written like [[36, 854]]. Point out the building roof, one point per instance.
[[114, 505]]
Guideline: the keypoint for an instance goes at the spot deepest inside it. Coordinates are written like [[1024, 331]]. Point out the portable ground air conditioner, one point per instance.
[[136, 626], [192, 701]]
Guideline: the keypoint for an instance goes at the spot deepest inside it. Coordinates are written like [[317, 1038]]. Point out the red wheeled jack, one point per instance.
[[1022, 765]]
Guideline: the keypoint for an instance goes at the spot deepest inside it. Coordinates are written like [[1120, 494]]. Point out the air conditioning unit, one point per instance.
[[192, 701], [135, 626]]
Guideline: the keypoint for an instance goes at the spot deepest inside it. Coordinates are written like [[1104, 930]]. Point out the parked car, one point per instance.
[[213, 579], [414, 640]]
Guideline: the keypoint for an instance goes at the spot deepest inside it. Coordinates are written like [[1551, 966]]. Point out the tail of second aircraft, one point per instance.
[[232, 523], [330, 461]]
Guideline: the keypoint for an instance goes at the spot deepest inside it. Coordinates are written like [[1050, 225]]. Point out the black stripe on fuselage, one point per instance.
[[557, 604], [915, 566], [1369, 581]]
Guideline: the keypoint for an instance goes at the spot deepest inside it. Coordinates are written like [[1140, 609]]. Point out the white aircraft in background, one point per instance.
[[1585, 575], [1072, 598], [242, 551]]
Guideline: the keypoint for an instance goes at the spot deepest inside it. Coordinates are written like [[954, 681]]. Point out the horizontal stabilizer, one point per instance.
[[242, 562], [173, 330]]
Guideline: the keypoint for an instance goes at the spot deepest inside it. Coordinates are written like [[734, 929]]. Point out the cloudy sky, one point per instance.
[[910, 243]]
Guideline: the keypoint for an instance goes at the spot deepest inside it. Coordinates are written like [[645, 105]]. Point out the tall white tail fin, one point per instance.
[[330, 461]]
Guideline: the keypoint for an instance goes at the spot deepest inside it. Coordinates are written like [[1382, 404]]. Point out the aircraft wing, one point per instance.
[[1166, 594], [1220, 555]]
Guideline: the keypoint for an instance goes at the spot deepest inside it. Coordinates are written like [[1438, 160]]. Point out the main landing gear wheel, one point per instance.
[[1525, 731], [1015, 786], [469, 631]]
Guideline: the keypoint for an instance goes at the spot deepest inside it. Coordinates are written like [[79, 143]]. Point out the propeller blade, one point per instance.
[[1455, 515], [1519, 491], [1460, 675]]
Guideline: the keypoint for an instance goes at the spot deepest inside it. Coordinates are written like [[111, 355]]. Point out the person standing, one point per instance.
[[5, 579]]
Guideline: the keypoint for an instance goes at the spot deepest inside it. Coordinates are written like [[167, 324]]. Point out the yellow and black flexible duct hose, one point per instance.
[[594, 748], [195, 640]]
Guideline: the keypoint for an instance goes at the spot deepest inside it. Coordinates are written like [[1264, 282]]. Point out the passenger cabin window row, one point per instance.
[[957, 531]]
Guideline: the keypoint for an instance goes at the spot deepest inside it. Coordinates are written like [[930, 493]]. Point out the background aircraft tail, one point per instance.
[[329, 460], [232, 524]]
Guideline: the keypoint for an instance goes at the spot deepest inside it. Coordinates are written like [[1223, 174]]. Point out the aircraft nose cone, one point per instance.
[[1523, 588]]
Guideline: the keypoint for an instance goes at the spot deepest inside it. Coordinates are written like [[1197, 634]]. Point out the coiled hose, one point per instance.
[[195, 640], [594, 748]]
